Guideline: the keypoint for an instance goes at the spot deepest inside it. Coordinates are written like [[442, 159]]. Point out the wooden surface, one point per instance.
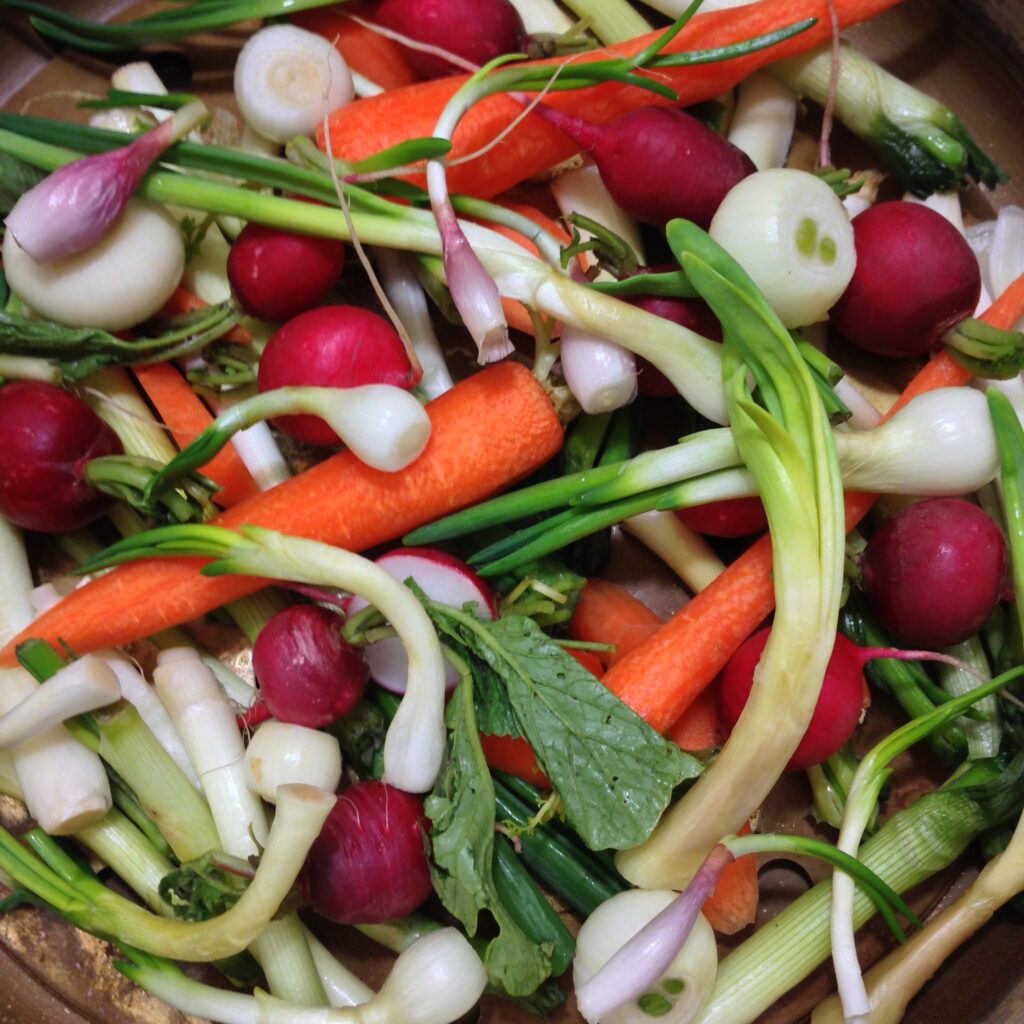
[[967, 54]]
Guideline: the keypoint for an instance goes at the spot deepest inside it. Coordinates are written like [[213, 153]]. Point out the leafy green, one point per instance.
[[614, 774], [16, 178], [201, 889], [84, 350], [461, 812]]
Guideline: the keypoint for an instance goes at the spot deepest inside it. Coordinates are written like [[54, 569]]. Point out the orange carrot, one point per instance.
[[370, 125], [513, 755], [182, 410], [732, 904], [662, 678], [608, 614], [698, 727], [372, 55], [184, 301], [488, 432]]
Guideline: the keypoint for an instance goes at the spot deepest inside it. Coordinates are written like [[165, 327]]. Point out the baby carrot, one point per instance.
[[608, 614], [182, 410], [487, 432], [697, 728], [370, 125]]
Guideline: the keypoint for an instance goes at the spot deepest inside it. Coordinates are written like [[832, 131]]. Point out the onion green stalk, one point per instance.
[[893, 982], [185, 19], [864, 791], [788, 447], [130, 855], [612, 21], [921, 141], [983, 737], [1010, 439], [78, 896], [911, 846], [414, 747]]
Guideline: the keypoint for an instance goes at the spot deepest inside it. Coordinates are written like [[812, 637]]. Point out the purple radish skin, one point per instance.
[[916, 277], [308, 675], [475, 30], [659, 163], [47, 437], [934, 572]]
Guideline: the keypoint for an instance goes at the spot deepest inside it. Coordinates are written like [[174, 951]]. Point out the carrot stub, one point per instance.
[[732, 904], [488, 432], [183, 301], [182, 410], [367, 126], [608, 614]]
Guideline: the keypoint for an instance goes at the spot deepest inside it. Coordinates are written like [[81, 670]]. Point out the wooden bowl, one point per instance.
[[970, 55]]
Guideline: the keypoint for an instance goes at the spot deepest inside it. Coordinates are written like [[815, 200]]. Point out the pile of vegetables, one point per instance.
[[223, 393]]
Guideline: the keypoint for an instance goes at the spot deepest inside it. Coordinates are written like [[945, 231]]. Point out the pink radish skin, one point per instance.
[[836, 713], [332, 346], [694, 314], [278, 274], [840, 703], [934, 572], [475, 30], [368, 864], [47, 436], [307, 674], [443, 578], [916, 277], [659, 163]]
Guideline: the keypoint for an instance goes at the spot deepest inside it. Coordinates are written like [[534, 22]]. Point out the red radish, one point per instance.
[[443, 578], [659, 163], [278, 274], [475, 30], [734, 517], [332, 346], [934, 572], [308, 675], [839, 704], [916, 277], [369, 863], [694, 314], [47, 437]]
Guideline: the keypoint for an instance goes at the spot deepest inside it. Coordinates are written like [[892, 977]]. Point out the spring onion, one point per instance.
[[789, 450], [921, 141], [683, 550], [83, 685], [790, 233], [414, 746]]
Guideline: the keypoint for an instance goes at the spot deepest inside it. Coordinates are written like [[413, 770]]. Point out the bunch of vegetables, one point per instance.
[[440, 737]]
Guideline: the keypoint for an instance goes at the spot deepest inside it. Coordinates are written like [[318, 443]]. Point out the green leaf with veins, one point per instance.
[[461, 812], [494, 713], [613, 773]]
